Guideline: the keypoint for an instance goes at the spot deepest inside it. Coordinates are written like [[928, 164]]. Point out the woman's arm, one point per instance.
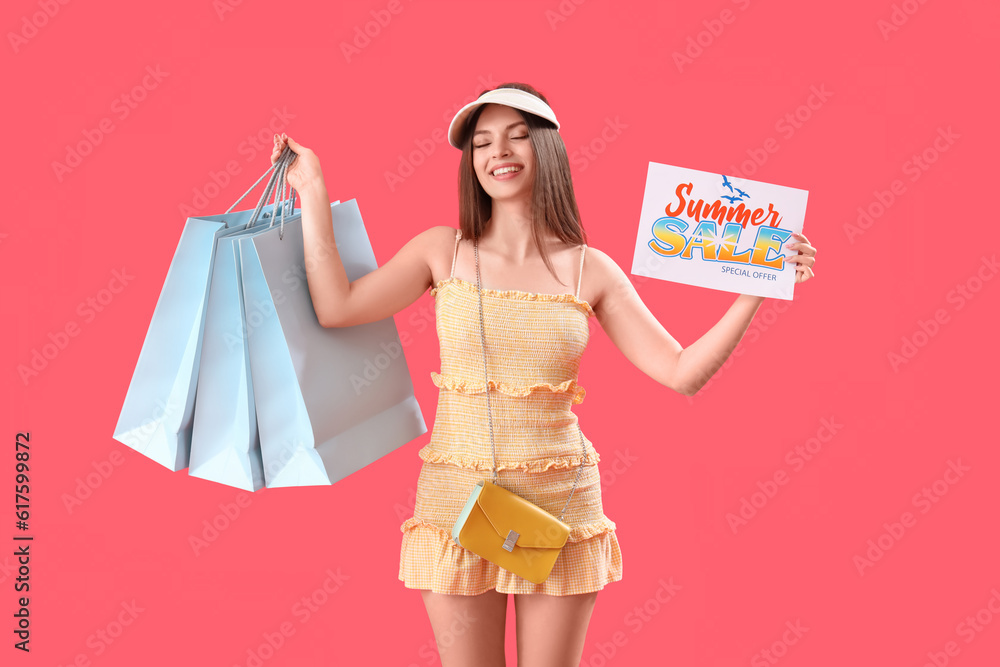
[[643, 340], [699, 361], [378, 294], [374, 296]]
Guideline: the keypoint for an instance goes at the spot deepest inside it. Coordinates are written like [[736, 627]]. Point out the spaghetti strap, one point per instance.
[[579, 281], [458, 236]]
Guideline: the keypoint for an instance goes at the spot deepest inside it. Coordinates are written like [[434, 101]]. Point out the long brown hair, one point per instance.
[[553, 202]]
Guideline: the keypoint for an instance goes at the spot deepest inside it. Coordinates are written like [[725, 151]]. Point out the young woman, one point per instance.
[[520, 233]]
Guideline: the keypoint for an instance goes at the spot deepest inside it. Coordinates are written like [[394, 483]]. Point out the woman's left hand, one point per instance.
[[805, 258]]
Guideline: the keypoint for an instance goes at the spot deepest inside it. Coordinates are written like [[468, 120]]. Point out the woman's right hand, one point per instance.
[[304, 174]]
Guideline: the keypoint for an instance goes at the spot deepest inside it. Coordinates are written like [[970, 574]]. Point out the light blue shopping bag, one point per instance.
[[225, 445], [322, 412], [157, 415]]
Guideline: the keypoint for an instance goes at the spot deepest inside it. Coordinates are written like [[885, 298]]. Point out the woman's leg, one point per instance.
[[469, 629], [551, 629]]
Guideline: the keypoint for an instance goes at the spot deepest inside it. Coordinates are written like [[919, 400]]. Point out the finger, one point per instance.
[[793, 241], [281, 142], [801, 260], [279, 147], [803, 248], [294, 145]]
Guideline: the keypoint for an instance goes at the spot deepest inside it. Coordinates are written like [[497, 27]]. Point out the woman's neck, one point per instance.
[[509, 230]]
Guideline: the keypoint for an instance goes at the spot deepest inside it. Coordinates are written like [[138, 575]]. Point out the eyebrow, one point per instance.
[[520, 122]]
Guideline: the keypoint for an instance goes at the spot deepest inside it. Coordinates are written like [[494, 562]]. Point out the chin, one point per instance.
[[510, 197], [507, 194]]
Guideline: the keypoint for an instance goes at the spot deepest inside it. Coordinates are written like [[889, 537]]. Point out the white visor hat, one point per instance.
[[511, 97]]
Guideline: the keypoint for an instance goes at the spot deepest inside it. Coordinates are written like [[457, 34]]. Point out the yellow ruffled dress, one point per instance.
[[534, 343]]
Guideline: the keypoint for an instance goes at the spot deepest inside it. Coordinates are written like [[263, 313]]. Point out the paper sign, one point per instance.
[[717, 231]]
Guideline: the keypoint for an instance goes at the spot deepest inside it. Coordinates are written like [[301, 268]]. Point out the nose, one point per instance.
[[501, 147]]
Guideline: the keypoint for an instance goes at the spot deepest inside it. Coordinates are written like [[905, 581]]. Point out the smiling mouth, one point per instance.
[[505, 170]]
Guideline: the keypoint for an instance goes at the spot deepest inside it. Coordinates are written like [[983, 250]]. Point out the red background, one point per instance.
[[826, 357]]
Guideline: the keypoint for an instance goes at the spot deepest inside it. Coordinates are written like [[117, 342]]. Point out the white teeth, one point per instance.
[[505, 170]]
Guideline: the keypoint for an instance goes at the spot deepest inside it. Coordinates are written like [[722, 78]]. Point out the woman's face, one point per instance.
[[500, 143]]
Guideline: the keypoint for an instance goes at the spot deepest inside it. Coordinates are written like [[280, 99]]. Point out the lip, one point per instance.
[[506, 176]]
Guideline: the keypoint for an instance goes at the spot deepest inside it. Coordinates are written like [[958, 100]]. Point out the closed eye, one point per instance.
[[487, 144]]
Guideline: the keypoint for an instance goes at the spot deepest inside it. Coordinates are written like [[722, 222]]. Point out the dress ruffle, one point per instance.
[[590, 560], [515, 294], [428, 454], [478, 387]]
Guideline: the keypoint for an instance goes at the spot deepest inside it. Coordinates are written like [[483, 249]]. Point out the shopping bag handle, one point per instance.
[[286, 204], [285, 155], [276, 170]]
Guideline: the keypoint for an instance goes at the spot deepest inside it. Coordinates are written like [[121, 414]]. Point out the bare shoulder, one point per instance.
[[426, 253], [437, 244], [599, 261], [431, 241], [436, 235], [602, 268], [602, 277]]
